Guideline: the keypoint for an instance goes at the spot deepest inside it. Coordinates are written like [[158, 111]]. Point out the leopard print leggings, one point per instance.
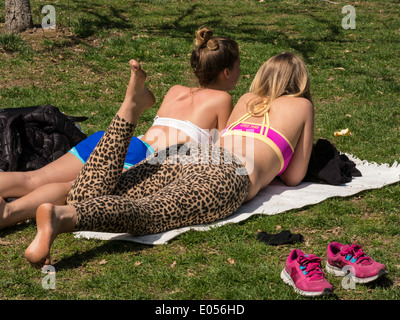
[[181, 185]]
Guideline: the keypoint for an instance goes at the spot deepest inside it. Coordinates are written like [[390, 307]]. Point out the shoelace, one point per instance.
[[311, 266], [355, 254]]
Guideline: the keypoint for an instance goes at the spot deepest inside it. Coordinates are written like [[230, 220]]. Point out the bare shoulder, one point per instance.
[[297, 104], [295, 101], [248, 96], [176, 89], [174, 93], [217, 94], [304, 103], [202, 94], [244, 100], [214, 100]]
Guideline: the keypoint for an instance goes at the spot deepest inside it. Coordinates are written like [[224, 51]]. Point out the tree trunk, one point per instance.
[[18, 15]]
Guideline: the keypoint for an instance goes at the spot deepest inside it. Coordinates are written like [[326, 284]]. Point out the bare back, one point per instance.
[[293, 118], [208, 109]]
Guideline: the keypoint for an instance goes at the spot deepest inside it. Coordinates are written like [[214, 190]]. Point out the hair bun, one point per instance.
[[203, 37], [212, 44]]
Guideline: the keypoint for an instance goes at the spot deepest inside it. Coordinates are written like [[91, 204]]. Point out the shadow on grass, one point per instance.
[[250, 32], [384, 282], [108, 247], [109, 19], [16, 228]]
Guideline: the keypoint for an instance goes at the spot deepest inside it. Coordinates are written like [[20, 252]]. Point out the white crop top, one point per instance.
[[196, 133]]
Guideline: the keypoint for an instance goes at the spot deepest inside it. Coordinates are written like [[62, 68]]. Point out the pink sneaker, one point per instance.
[[350, 258], [304, 273]]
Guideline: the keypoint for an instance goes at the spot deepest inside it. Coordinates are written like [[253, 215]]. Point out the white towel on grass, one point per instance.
[[277, 198]]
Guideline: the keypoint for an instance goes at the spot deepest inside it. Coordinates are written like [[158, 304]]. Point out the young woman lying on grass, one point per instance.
[[186, 114], [269, 133]]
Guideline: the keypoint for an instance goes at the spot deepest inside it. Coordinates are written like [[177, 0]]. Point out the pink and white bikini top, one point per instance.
[[273, 138]]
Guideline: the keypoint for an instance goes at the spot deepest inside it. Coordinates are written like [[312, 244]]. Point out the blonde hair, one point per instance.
[[282, 75], [211, 55]]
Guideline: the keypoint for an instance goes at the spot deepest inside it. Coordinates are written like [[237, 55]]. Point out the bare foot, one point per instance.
[[138, 97], [50, 223], [38, 252]]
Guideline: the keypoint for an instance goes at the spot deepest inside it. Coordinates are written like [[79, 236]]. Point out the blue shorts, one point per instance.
[[137, 151]]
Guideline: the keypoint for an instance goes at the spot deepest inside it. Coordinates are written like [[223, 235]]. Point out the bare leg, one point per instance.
[[105, 164], [53, 220], [18, 184], [25, 208]]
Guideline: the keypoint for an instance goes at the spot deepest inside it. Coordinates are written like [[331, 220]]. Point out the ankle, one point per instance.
[[129, 112], [67, 218]]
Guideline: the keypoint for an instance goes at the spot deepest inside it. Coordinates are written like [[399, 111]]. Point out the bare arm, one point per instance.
[[298, 166], [224, 112]]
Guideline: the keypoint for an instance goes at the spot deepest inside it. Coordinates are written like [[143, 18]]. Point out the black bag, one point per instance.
[[328, 166]]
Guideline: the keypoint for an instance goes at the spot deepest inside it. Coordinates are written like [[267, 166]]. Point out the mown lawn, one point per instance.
[[82, 68]]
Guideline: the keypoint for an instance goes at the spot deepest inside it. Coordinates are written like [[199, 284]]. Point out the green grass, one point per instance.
[[82, 69]]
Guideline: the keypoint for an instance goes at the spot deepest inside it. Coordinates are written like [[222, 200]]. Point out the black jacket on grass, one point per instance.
[[329, 166], [32, 137]]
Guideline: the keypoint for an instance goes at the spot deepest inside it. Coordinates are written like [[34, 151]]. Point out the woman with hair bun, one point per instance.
[[186, 114], [211, 56], [215, 62]]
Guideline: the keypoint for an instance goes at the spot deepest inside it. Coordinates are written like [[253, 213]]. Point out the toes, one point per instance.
[[134, 64]]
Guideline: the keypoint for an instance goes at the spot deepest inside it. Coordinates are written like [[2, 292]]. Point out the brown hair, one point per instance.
[[283, 74], [211, 55]]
